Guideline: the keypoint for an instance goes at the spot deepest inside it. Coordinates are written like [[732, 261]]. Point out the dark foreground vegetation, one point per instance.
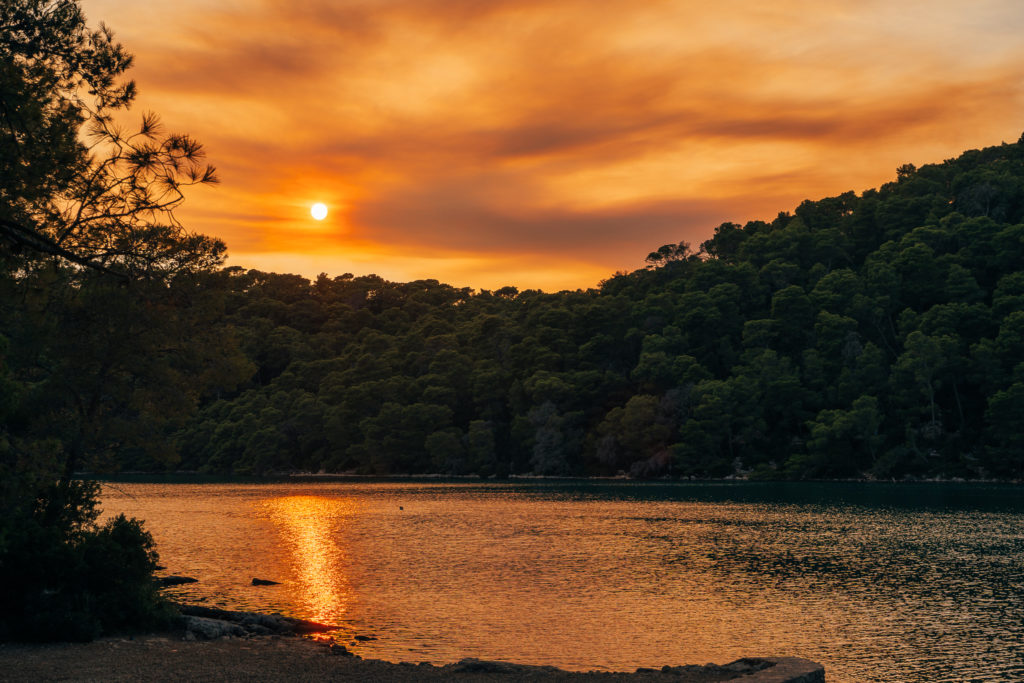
[[873, 335], [89, 254]]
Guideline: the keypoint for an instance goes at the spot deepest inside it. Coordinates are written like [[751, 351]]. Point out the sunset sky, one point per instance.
[[548, 144]]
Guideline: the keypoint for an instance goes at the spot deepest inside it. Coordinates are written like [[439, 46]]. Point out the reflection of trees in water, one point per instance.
[[941, 594], [956, 568]]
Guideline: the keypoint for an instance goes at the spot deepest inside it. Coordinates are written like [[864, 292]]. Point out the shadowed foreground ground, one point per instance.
[[274, 658]]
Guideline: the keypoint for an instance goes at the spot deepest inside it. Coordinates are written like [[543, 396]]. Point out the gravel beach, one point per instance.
[[166, 657]]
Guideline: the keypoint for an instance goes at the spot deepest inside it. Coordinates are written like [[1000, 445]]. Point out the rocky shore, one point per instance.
[[199, 622], [214, 644]]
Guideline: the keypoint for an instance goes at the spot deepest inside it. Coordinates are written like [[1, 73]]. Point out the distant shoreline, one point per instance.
[[285, 477]]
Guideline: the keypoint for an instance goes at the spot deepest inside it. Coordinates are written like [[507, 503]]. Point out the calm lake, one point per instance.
[[878, 582]]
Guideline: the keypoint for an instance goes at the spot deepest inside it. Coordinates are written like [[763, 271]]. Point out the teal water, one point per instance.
[[878, 582]]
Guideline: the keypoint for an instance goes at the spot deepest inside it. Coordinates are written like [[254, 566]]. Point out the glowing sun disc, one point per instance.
[[318, 211]]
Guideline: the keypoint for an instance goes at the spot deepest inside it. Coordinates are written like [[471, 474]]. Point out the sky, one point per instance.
[[548, 144]]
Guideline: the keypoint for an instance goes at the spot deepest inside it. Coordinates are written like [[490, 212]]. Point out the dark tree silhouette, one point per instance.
[[105, 199], [103, 339]]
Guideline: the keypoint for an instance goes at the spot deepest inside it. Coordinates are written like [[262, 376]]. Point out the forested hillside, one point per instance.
[[873, 335]]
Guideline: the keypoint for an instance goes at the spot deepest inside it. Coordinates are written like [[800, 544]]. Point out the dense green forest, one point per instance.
[[878, 335]]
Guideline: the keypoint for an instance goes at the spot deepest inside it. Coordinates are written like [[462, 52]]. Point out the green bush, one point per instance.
[[64, 577]]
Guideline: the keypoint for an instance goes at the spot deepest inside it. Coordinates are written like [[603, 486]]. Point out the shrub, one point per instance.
[[63, 577]]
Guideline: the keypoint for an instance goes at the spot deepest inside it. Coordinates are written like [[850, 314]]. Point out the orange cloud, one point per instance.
[[485, 143]]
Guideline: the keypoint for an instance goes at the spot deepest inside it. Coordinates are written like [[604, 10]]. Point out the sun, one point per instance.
[[318, 211]]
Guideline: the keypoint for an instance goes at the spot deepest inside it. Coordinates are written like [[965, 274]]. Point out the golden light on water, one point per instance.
[[309, 527]]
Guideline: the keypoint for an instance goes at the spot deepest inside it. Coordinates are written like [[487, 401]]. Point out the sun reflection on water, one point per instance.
[[310, 526]]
